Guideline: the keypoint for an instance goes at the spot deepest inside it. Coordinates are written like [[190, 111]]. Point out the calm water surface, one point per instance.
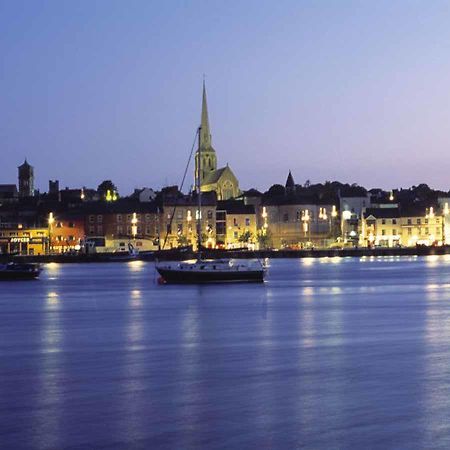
[[328, 353]]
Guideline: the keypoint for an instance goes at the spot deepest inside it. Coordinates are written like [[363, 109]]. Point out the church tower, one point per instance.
[[26, 180], [207, 152]]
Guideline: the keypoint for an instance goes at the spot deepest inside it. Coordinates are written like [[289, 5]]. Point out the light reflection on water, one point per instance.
[[344, 354]]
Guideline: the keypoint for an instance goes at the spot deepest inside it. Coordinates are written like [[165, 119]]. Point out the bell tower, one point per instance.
[[26, 180]]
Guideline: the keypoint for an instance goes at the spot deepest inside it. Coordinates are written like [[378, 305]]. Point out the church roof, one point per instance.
[[214, 176], [25, 164]]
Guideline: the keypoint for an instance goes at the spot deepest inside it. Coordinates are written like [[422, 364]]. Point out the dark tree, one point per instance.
[[106, 186]]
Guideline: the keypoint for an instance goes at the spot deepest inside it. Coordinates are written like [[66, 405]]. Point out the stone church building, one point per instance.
[[222, 181]]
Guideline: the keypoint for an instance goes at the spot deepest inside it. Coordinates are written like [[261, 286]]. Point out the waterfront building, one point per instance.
[[179, 224], [26, 180], [236, 225], [406, 226], [66, 231], [19, 240], [298, 222], [222, 181], [8, 193], [122, 219], [353, 202]]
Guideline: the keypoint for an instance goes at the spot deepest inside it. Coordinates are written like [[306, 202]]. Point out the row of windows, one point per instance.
[[418, 221], [69, 224], [424, 231], [189, 214], [120, 218], [63, 238], [24, 234], [236, 222], [303, 215]]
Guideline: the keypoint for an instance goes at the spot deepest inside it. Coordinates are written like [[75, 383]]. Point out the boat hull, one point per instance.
[[200, 277], [16, 275]]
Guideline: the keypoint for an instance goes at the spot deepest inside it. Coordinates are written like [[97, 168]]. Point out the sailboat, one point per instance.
[[201, 270]]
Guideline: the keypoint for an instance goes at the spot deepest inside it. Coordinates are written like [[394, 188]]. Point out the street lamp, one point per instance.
[[305, 220], [134, 222]]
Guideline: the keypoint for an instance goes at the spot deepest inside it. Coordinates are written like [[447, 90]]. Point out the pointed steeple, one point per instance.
[[205, 134], [290, 185]]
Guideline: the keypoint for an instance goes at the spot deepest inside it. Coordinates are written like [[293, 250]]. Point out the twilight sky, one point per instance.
[[355, 91]]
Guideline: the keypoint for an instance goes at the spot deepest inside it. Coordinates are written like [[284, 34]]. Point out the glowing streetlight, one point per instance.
[[430, 212], [51, 220], [134, 222], [305, 220]]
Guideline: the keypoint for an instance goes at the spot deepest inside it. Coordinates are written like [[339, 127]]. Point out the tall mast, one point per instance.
[[199, 195]]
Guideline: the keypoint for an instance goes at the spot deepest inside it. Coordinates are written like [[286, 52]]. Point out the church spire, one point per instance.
[[205, 135], [290, 184]]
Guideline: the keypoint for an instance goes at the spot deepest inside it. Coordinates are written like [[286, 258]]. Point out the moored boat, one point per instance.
[[19, 271], [211, 271]]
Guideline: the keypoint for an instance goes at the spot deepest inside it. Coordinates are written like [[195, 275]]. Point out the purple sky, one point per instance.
[[353, 91]]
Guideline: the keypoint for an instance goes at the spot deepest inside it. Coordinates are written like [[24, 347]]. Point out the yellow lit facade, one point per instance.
[[403, 230], [238, 228], [24, 241], [179, 227]]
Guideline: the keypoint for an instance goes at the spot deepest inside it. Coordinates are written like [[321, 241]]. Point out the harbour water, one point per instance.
[[340, 353]]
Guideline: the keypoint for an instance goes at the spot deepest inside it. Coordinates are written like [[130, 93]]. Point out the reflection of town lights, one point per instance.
[[264, 212], [189, 215]]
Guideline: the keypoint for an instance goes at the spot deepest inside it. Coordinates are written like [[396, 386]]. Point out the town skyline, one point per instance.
[[331, 93]]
